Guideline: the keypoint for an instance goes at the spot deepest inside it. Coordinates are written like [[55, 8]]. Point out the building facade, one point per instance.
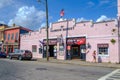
[[2, 28], [12, 38], [69, 39]]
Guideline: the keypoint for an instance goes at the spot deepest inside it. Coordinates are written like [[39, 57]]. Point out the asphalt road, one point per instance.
[[34, 70]]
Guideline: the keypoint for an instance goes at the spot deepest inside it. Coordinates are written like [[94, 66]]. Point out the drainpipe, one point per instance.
[[118, 38], [66, 52]]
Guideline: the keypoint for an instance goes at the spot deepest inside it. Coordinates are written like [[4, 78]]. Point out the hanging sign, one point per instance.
[[68, 47]]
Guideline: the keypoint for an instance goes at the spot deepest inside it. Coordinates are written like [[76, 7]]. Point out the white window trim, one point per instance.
[[104, 55]]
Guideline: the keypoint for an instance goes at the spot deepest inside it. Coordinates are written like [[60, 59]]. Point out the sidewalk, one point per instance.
[[79, 62]]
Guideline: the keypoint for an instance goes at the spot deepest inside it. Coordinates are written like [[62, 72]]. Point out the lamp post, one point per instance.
[[46, 6]]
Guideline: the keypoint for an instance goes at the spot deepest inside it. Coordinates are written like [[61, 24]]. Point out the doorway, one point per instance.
[[83, 52], [75, 52], [51, 50]]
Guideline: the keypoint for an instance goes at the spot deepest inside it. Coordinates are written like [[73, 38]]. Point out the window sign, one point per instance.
[[61, 50], [68, 47]]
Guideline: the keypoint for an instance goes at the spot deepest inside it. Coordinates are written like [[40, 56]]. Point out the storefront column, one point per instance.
[[60, 51]]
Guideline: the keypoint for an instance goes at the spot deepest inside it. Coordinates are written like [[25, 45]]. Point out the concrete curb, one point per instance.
[[82, 63]]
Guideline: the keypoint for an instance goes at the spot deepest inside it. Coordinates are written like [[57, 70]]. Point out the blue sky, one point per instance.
[[31, 14]]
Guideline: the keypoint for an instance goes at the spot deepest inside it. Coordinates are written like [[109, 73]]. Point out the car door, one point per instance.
[[16, 53]]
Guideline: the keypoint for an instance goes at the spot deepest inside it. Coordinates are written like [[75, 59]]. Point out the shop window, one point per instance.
[[103, 49], [34, 48], [61, 50], [40, 50], [8, 36], [12, 37], [5, 37], [16, 37]]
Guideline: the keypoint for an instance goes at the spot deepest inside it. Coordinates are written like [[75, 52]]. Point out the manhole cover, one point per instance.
[[41, 69]]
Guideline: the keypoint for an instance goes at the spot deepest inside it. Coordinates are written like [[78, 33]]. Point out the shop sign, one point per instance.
[[103, 45], [81, 41], [68, 47], [77, 41], [51, 41]]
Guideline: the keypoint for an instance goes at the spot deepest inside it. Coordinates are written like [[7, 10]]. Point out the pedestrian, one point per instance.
[[94, 56]]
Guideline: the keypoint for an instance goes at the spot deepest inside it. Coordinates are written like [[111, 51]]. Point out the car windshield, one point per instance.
[[26, 51], [22, 51]]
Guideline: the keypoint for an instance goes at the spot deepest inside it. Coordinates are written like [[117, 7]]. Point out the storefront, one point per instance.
[[78, 41], [76, 48], [10, 47], [52, 48]]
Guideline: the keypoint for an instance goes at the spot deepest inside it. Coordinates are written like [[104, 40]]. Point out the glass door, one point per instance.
[[75, 52], [82, 52]]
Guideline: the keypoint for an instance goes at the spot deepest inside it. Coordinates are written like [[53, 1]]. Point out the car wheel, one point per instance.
[[29, 58], [20, 58], [10, 57]]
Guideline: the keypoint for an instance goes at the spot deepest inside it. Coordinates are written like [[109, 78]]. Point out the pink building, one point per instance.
[[69, 39]]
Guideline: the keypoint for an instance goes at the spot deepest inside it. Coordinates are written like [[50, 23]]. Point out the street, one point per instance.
[[34, 70]]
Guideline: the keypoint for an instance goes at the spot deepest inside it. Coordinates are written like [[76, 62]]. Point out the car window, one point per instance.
[[17, 51], [22, 51], [27, 51]]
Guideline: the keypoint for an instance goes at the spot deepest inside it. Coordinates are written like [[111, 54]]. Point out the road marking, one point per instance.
[[115, 75]]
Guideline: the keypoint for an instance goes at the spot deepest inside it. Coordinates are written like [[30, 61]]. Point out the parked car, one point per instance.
[[21, 54], [3, 55]]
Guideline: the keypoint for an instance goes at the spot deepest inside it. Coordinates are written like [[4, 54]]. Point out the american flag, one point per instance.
[[62, 13], [41, 42]]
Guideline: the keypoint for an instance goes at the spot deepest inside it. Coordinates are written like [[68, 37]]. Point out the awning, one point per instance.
[[11, 44], [77, 41], [81, 41]]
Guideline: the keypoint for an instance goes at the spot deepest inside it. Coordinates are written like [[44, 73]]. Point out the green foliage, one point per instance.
[[113, 41]]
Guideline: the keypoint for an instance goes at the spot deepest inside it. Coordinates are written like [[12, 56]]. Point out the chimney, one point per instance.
[[14, 25]]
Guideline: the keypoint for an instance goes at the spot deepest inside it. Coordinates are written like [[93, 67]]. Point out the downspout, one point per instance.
[[66, 52], [118, 38]]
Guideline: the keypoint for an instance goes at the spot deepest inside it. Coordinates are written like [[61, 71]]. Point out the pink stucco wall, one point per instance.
[[95, 33], [30, 39]]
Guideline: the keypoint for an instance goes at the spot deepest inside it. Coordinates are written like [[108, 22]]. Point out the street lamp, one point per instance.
[[47, 52]]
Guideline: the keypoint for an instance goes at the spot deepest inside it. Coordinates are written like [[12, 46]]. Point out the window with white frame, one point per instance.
[[34, 48], [103, 49]]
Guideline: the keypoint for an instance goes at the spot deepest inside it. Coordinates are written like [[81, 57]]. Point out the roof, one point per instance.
[[18, 27]]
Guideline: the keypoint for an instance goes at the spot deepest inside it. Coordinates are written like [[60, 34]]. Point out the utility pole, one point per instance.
[[47, 29], [47, 32]]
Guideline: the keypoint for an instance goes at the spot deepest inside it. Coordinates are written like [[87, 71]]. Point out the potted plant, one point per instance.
[[113, 41]]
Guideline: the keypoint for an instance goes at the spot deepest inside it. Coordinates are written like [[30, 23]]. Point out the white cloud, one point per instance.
[[90, 3], [4, 3], [102, 18], [43, 25], [2, 22], [81, 19], [104, 1], [28, 17]]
